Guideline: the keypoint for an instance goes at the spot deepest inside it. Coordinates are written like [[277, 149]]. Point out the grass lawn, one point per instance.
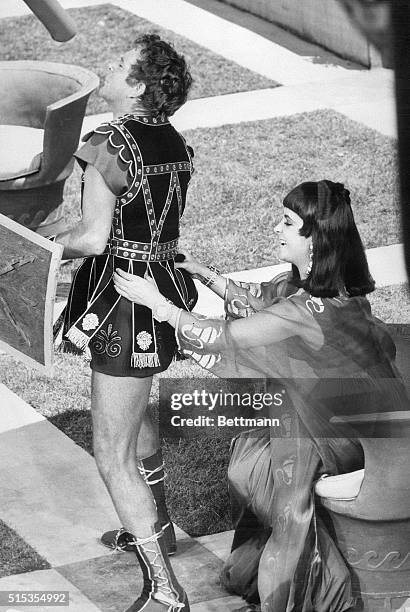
[[104, 32], [243, 172], [391, 304], [16, 556]]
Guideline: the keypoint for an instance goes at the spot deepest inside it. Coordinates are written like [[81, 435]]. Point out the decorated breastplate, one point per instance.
[[143, 201], [145, 229]]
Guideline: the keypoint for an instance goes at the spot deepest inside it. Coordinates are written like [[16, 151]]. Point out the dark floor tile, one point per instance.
[[113, 582]]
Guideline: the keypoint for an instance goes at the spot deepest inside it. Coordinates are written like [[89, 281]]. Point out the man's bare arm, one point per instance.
[[89, 236]]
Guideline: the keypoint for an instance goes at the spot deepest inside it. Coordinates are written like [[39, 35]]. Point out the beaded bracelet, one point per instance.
[[212, 278], [209, 280]]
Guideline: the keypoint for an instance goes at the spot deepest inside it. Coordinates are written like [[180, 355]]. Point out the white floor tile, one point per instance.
[[15, 412], [46, 580]]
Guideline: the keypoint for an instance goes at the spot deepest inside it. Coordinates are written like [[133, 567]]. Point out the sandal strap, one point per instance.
[[174, 605], [152, 538], [147, 474], [142, 541]]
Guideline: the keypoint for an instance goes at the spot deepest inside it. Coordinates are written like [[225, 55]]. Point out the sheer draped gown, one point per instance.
[[332, 357]]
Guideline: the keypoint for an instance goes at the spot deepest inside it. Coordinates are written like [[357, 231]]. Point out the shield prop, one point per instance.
[[28, 267]]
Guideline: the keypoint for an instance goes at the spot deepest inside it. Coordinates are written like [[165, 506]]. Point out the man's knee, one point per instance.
[[112, 454], [118, 406]]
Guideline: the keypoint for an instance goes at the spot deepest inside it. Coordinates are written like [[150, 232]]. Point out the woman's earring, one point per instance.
[[309, 266]]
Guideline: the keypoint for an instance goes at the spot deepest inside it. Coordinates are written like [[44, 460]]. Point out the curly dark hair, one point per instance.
[[165, 74], [338, 260]]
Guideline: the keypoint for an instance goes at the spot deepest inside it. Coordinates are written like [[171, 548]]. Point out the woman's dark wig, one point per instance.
[[165, 74], [339, 262]]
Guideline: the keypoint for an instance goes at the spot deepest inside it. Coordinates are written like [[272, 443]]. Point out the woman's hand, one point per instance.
[[136, 289], [190, 264]]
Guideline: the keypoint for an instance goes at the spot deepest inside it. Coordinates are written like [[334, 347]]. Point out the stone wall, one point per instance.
[[321, 21]]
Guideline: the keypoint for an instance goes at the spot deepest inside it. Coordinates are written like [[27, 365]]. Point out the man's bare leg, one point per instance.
[[150, 465], [148, 440], [118, 405]]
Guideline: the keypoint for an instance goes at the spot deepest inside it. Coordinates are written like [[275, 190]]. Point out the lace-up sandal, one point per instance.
[[161, 591], [152, 471], [118, 539]]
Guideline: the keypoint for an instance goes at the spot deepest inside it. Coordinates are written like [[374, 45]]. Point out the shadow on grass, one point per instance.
[[77, 425], [197, 486]]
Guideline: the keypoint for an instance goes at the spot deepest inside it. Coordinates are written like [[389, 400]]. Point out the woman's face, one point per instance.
[[293, 247], [115, 87]]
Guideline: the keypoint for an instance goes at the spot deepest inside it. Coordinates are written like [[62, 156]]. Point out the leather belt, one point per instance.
[[142, 251]]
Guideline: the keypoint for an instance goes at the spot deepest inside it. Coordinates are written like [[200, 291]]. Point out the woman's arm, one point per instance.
[[282, 320], [89, 236], [246, 347], [209, 276], [241, 299]]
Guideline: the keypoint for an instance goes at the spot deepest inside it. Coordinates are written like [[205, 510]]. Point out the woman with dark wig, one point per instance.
[[314, 332]]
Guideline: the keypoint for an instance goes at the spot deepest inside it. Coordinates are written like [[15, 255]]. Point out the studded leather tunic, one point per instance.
[[148, 165]]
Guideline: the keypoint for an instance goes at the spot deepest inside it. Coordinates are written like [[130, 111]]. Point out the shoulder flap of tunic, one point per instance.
[[121, 140]]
